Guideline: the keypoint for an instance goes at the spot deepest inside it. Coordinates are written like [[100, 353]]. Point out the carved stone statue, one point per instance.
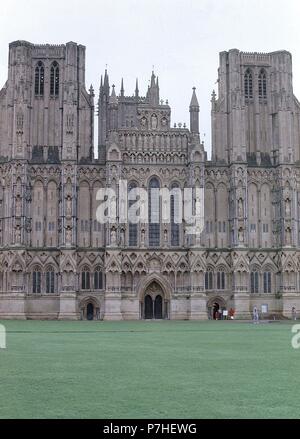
[[142, 237], [18, 206], [18, 235], [287, 207], [153, 121], [113, 236], [164, 122], [241, 235], [122, 237], [68, 235], [68, 206], [143, 122], [240, 208], [288, 236], [28, 225], [166, 235]]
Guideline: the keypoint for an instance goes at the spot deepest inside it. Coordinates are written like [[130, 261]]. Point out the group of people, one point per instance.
[[256, 315], [219, 314], [223, 314]]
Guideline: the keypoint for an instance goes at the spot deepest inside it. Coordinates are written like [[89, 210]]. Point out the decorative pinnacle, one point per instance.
[[194, 100], [91, 90]]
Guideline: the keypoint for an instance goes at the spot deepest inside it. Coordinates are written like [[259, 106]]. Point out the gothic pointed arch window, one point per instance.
[[50, 280], [54, 79], [36, 280], [267, 282], [98, 278], [85, 279], [254, 280], [262, 84], [133, 227], [209, 280], [154, 212], [39, 79], [174, 201], [221, 280], [248, 84]]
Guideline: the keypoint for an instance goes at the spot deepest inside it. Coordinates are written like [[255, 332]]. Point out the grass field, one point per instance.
[[149, 370]]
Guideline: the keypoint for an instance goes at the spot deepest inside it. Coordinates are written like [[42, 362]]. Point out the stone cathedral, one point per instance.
[[58, 262]]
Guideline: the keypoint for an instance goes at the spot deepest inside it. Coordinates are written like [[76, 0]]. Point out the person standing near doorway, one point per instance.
[[255, 315], [294, 313]]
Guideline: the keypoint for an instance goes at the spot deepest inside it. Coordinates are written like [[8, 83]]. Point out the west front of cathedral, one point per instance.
[[58, 262]]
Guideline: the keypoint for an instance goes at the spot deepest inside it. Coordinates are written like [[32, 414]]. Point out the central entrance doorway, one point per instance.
[[90, 311], [215, 307], [154, 306]]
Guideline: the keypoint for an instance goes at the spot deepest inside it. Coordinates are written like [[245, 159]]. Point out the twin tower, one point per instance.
[[46, 113]]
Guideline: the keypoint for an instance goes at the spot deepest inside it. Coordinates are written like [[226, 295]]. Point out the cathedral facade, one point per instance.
[[58, 262]]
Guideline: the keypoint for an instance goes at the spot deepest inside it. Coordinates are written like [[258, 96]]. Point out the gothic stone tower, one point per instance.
[[255, 167], [46, 130]]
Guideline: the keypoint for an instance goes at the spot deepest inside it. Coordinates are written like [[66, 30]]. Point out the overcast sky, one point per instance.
[[181, 38]]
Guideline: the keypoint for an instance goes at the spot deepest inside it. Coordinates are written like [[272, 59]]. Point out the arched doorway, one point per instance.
[[148, 307], [158, 307], [90, 311], [215, 306], [154, 305], [89, 308]]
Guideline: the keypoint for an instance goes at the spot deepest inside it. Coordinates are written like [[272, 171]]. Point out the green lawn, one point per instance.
[[166, 369]]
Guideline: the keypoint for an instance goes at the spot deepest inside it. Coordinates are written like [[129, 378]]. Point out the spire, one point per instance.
[[106, 80], [136, 88], [194, 113], [153, 91], [194, 100], [113, 98], [106, 84], [122, 88], [152, 80]]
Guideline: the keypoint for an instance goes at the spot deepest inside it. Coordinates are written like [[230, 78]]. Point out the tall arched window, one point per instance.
[[50, 276], [98, 279], [54, 79], [262, 84], [248, 84], [36, 281], [39, 79], [208, 280], [267, 282], [174, 213], [220, 280], [133, 227], [254, 282], [85, 279], [154, 212]]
